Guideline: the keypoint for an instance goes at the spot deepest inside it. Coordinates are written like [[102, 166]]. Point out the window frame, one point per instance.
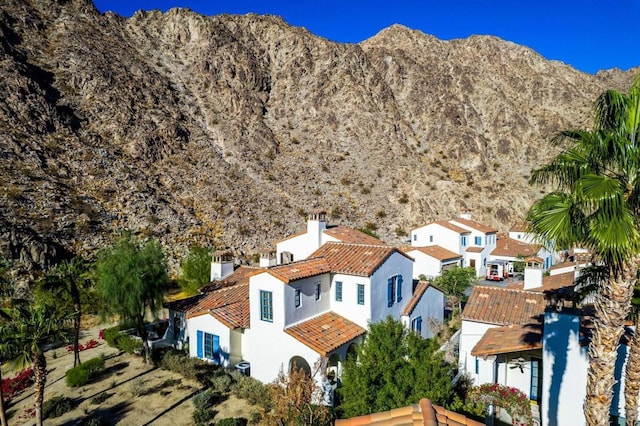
[[360, 294], [478, 240], [266, 305], [297, 298], [318, 291], [416, 325], [338, 291], [463, 240]]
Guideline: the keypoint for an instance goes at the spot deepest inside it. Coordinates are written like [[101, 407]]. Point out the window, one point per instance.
[[477, 365], [298, 302], [463, 241], [394, 290], [318, 290], [338, 291], [360, 294], [416, 325], [430, 238], [266, 306], [536, 380], [478, 241], [415, 237], [208, 346]]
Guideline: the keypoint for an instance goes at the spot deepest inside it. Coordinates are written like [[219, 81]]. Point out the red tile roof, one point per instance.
[[437, 252], [474, 225], [519, 227], [350, 235], [452, 227], [422, 414], [415, 298], [475, 249], [355, 259], [510, 338], [325, 332], [300, 269], [552, 282], [503, 306], [240, 275], [506, 246]]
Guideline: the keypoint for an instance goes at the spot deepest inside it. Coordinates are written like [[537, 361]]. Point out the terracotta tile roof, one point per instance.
[[452, 227], [506, 246], [415, 297], [422, 414], [300, 269], [240, 275], [350, 235], [510, 338], [230, 305], [565, 264], [475, 249], [437, 252], [519, 227], [554, 282], [325, 332], [355, 259], [474, 225], [503, 306]]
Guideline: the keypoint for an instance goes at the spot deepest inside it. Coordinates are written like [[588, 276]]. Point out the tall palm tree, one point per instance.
[[66, 280], [23, 338], [596, 205]]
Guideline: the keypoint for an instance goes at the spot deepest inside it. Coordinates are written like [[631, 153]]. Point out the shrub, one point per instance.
[[234, 421], [110, 335], [129, 344], [77, 376], [93, 421], [94, 366], [56, 406], [138, 387], [252, 390], [189, 368], [202, 417], [222, 383], [205, 399], [100, 398]]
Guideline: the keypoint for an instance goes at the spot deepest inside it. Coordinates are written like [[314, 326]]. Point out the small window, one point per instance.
[[360, 294], [477, 365], [212, 347], [298, 301], [430, 238], [338, 291], [394, 290], [415, 237], [463, 241], [318, 290], [478, 241], [266, 306], [416, 325]]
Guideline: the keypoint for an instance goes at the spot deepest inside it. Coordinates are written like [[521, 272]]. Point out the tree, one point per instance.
[[455, 281], [4, 317], [196, 270], [393, 368], [596, 204], [65, 282], [131, 280], [294, 398], [23, 338]]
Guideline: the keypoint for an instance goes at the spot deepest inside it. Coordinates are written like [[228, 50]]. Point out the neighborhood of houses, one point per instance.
[[311, 299]]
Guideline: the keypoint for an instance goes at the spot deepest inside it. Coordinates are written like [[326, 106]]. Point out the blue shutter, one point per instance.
[[200, 343], [216, 348], [389, 292], [420, 325], [399, 290]]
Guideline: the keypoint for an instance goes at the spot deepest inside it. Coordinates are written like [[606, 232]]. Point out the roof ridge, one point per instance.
[[361, 244]]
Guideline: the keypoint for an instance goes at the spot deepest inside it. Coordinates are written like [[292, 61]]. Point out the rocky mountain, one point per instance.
[[227, 130]]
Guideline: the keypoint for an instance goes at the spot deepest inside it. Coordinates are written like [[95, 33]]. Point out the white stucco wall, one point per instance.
[[565, 364], [396, 264], [309, 306], [298, 246], [424, 264], [470, 333], [348, 307], [209, 324], [442, 237], [431, 305]]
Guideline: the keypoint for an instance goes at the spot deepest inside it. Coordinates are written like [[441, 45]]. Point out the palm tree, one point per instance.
[[3, 415], [596, 205], [67, 279], [23, 337]]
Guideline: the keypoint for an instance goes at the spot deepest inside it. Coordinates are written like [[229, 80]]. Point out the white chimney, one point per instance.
[[221, 265], [316, 224], [268, 259], [532, 273], [465, 215]]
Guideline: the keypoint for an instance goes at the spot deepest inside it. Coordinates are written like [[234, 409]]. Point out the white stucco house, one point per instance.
[[463, 236], [308, 312], [430, 261]]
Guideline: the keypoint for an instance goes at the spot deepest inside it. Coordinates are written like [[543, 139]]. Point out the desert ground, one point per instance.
[[137, 394]]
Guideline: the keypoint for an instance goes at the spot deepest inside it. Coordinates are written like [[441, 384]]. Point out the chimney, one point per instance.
[[268, 258], [316, 224], [221, 265], [532, 273], [465, 215]]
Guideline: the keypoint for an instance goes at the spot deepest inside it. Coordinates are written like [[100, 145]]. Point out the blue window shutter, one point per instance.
[[389, 292], [200, 343], [419, 325], [216, 348], [399, 291]]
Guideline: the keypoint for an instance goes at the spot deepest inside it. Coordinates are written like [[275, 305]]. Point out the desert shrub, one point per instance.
[[77, 376], [93, 421], [206, 399], [56, 406], [100, 398], [202, 417], [221, 383], [138, 387], [129, 344], [80, 375], [252, 390], [234, 421], [189, 368], [111, 334]]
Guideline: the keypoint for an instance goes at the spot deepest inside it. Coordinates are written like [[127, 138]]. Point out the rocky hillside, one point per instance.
[[227, 130]]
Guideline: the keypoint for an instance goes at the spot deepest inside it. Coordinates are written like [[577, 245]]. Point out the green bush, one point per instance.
[[189, 368], [100, 398], [205, 399], [234, 421], [80, 375], [202, 417], [252, 390], [56, 406], [77, 376], [222, 383], [129, 344], [111, 334]]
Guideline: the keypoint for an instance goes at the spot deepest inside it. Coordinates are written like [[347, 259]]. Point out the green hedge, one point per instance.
[[124, 342], [57, 406], [80, 375]]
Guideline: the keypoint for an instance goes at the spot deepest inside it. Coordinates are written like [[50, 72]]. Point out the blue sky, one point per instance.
[[588, 35]]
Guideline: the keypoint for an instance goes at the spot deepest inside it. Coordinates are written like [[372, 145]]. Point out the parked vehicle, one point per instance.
[[498, 270]]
